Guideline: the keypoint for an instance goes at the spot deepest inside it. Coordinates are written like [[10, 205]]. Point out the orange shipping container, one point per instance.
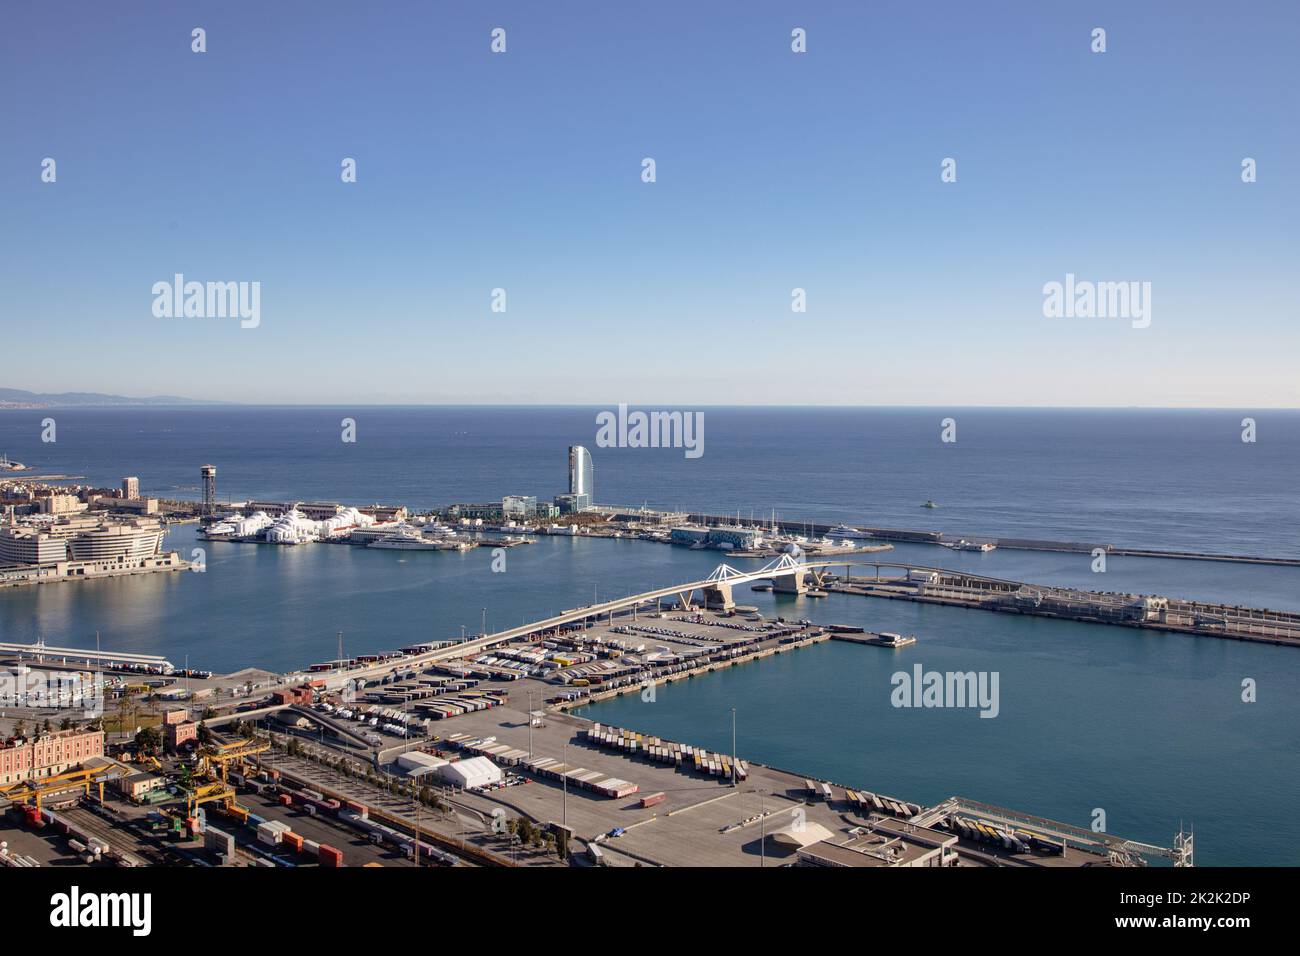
[[329, 856]]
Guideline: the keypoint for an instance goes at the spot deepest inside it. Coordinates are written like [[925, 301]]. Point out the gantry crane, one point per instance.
[[219, 756], [37, 789]]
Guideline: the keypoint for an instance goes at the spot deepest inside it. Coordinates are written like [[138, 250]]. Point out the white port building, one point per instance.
[[470, 772], [417, 763]]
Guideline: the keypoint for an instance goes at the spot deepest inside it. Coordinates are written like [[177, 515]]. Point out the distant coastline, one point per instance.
[[20, 398]]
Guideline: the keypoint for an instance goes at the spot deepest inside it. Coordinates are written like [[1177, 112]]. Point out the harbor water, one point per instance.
[[1148, 727]]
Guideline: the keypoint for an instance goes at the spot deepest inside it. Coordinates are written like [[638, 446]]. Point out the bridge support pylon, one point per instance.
[[717, 597], [795, 582]]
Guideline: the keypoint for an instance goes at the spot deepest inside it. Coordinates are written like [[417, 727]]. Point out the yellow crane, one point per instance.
[[36, 790], [206, 793], [220, 756]]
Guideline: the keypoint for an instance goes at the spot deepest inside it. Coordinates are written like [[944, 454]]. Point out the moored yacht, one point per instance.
[[405, 539]]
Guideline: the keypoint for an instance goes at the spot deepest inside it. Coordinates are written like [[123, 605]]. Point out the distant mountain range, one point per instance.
[[20, 398]]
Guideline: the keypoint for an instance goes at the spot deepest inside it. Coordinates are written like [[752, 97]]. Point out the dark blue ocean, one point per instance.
[[1171, 479], [1149, 727]]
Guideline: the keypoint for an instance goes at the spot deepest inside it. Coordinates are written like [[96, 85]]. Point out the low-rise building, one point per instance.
[[742, 539], [31, 546], [885, 842], [570, 504], [178, 729], [319, 510], [136, 786], [385, 513], [519, 506]]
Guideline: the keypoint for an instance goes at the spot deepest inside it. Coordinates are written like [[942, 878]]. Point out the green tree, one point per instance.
[[148, 740]]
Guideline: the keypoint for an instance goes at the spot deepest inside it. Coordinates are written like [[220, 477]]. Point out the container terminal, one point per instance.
[[444, 753]]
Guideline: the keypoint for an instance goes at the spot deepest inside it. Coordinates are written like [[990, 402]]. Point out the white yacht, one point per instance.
[[844, 531], [405, 539], [439, 531]]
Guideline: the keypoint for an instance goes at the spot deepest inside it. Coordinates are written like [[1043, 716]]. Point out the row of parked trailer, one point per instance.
[[547, 768], [867, 802], [444, 708], [398, 726], [551, 769], [668, 752], [1016, 841], [503, 754]]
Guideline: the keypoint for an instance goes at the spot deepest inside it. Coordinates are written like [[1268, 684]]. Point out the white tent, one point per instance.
[[417, 763], [472, 772]]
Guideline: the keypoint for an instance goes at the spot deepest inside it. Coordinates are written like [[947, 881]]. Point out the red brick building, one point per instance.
[[48, 754]]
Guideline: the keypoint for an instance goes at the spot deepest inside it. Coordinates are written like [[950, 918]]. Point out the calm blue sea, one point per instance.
[[1174, 479], [1151, 728]]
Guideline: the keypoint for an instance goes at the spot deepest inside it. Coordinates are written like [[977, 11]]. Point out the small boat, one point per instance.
[[929, 504], [964, 545]]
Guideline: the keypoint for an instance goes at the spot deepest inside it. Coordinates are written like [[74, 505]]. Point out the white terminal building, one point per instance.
[[463, 774]]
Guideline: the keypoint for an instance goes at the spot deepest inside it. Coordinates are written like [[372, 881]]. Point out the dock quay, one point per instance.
[[902, 536], [646, 799], [42, 653], [839, 632], [1154, 612]]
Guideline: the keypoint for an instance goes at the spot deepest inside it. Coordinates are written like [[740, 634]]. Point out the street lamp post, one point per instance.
[[733, 748]]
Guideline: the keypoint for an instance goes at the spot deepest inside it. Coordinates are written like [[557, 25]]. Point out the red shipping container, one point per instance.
[[651, 799], [294, 840], [285, 800], [329, 856]]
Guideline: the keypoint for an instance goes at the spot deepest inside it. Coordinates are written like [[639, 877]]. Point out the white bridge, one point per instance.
[[715, 592]]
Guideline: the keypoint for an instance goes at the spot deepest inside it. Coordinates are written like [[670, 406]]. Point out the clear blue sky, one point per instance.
[[775, 170]]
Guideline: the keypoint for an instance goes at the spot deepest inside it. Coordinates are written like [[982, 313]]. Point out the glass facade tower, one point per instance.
[[581, 474]]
